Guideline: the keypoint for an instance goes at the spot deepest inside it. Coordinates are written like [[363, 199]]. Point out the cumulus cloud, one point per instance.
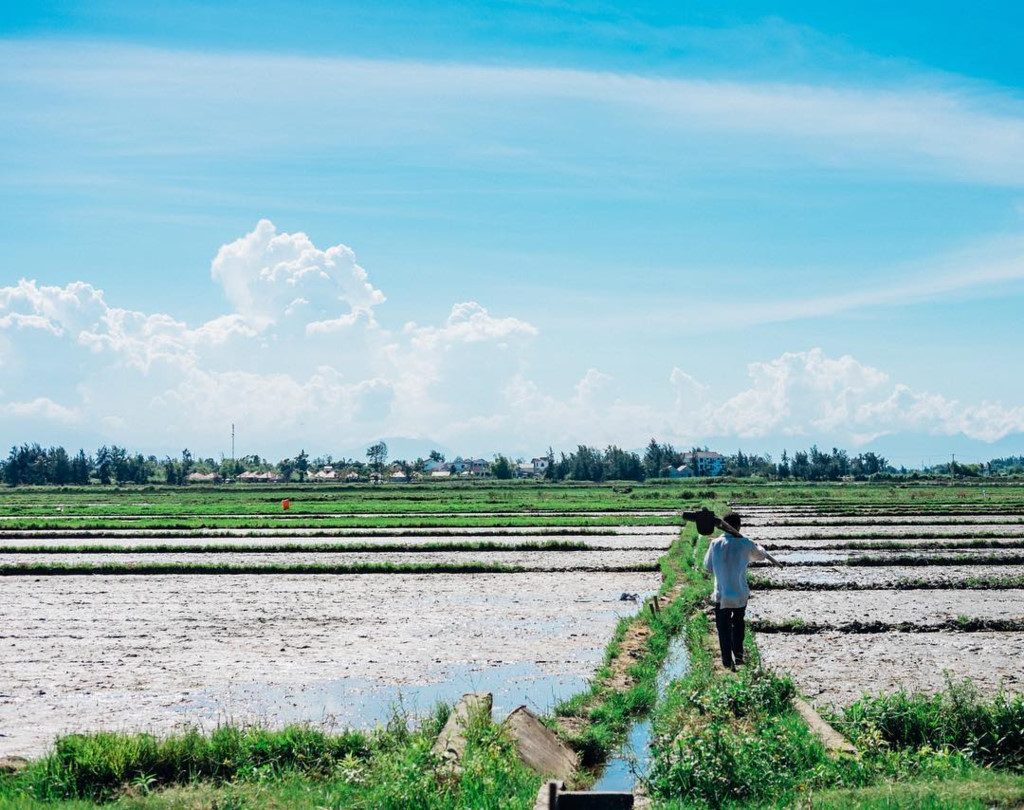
[[809, 394], [301, 358], [300, 355], [266, 276], [39, 408]]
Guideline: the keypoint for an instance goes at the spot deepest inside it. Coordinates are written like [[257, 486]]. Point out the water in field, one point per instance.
[[356, 703], [630, 763]]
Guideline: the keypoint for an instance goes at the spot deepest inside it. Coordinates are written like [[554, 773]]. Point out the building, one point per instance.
[[204, 478], [540, 465], [268, 477], [524, 470], [682, 471], [431, 467], [706, 463], [326, 474], [478, 467]]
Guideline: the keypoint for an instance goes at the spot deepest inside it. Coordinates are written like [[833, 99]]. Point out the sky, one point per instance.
[[499, 227]]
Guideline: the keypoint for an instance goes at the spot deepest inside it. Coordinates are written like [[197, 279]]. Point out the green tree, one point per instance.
[[501, 467], [377, 457], [302, 464]]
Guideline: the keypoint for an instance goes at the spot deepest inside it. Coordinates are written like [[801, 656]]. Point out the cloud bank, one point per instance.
[[301, 357]]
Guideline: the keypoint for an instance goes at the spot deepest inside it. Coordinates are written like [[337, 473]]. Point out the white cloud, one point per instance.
[[303, 360], [810, 395], [170, 102], [267, 275], [39, 408]]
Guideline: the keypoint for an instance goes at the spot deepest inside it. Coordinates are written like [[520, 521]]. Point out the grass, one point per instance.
[[985, 583], [897, 545], [37, 524], [734, 740], [308, 548], [302, 767], [980, 791], [720, 739], [988, 732], [922, 559], [225, 569], [599, 718], [961, 624]]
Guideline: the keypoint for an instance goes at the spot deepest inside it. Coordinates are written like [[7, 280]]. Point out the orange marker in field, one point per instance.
[[286, 504]]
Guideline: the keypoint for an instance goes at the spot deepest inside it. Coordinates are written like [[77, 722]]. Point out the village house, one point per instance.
[[252, 477], [706, 463], [478, 467], [540, 465], [682, 471], [204, 478]]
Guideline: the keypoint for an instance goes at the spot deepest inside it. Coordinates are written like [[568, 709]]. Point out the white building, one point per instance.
[[707, 463], [540, 465]]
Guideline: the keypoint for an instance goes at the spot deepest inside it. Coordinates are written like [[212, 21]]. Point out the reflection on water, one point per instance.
[[629, 764], [357, 703]]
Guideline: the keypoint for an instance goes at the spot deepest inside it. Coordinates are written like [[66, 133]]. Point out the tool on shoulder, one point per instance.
[[707, 521]]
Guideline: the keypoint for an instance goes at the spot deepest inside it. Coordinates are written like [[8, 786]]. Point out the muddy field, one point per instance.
[[158, 652], [921, 608], [884, 577], [621, 537], [553, 560], [841, 644], [837, 668], [850, 530]]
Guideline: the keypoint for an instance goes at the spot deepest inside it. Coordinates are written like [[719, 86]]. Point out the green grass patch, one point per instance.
[[201, 569], [390, 767], [600, 717], [996, 583], [987, 732], [307, 548]]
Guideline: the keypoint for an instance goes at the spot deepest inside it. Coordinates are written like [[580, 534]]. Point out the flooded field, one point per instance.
[[156, 652], [548, 560], [835, 668], [159, 651], [845, 619]]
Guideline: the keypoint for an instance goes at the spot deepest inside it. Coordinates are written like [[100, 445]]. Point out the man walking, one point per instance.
[[727, 558]]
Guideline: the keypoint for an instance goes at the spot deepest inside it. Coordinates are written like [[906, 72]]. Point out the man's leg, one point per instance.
[[738, 631], [724, 633]]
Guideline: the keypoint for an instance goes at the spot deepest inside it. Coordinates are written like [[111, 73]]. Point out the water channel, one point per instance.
[[630, 763]]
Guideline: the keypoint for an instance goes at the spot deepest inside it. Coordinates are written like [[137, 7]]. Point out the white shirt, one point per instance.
[[727, 559]]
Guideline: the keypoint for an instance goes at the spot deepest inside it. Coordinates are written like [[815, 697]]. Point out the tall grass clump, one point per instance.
[[391, 767], [96, 766], [731, 741], [986, 732]]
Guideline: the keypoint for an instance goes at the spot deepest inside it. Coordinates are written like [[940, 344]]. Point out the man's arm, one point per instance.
[[707, 560], [758, 552]]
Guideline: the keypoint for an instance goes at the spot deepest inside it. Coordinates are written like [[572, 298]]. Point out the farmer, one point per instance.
[[727, 558]]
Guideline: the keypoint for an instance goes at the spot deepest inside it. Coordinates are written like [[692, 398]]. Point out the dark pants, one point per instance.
[[731, 629]]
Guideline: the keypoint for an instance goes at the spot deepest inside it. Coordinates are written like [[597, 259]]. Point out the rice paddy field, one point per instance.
[[167, 610], [876, 598]]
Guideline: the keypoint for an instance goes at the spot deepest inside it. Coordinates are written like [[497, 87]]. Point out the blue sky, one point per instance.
[[747, 226]]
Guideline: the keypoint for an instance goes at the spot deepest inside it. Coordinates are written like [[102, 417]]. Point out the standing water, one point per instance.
[[629, 764]]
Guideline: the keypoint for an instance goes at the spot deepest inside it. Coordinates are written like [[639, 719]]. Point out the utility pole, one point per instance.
[[232, 441], [952, 467]]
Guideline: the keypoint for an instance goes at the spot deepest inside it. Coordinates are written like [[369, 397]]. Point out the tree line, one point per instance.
[[32, 464]]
